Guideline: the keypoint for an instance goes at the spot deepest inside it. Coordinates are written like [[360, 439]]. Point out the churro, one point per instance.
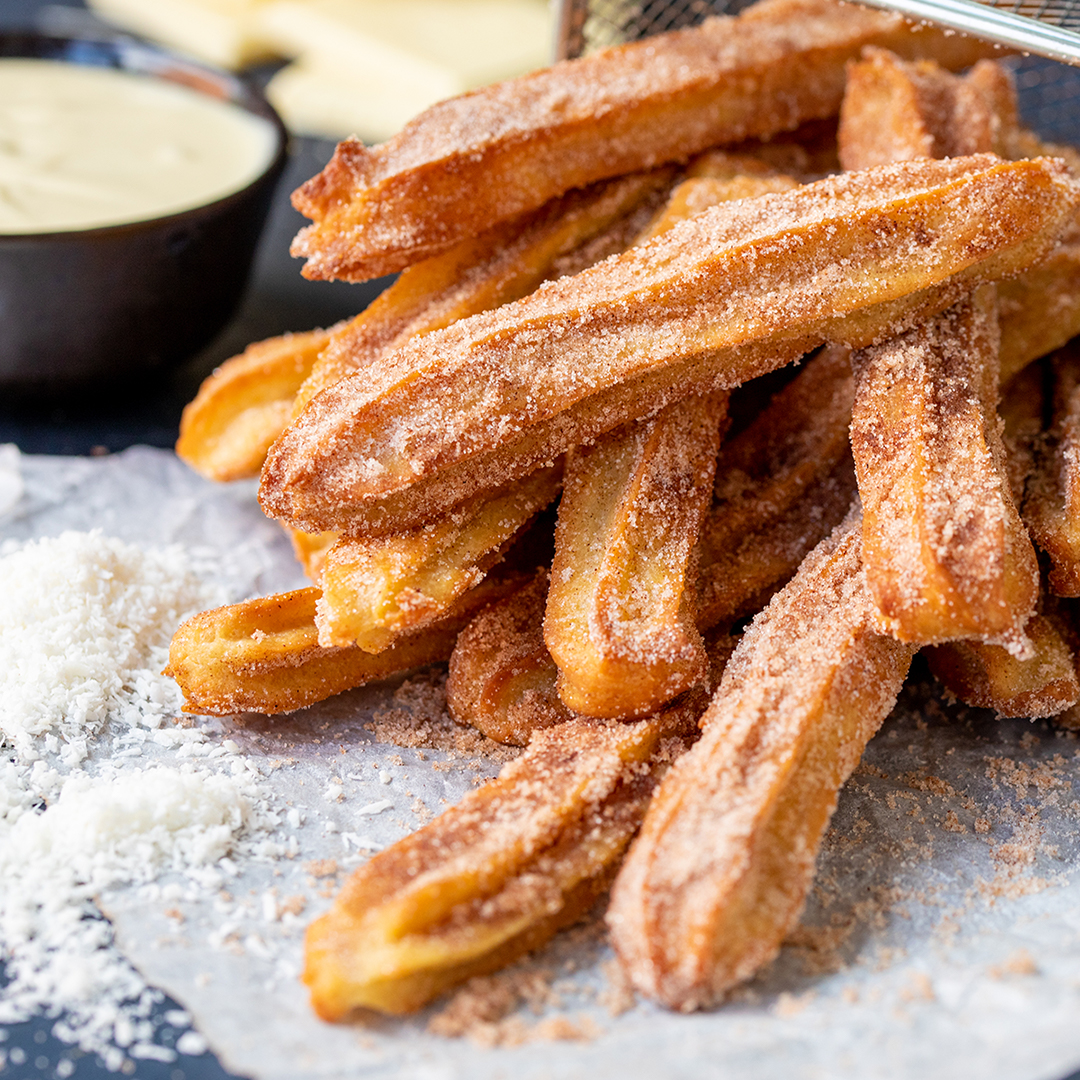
[[264, 656], [946, 553], [725, 857], [1052, 502], [618, 622], [374, 591], [1042, 684], [502, 679], [496, 875], [693, 310], [245, 404], [896, 111], [467, 164], [494, 268]]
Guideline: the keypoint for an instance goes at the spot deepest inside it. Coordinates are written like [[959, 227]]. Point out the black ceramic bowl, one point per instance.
[[106, 307]]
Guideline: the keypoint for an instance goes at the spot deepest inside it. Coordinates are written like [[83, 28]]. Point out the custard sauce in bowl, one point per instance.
[[133, 188], [86, 147]]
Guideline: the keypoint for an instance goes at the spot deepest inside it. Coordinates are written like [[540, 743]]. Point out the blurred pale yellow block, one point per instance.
[[313, 101], [220, 32], [365, 67]]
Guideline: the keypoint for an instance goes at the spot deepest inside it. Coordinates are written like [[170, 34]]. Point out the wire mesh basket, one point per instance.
[[1049, 90]]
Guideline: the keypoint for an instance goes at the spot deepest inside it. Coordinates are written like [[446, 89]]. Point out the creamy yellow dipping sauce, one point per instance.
[[83, 147]]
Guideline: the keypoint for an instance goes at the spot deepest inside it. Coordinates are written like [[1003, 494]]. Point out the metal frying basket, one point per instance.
[[1049, 90]]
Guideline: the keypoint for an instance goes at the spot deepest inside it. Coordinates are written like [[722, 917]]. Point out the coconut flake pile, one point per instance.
[[85, 623]]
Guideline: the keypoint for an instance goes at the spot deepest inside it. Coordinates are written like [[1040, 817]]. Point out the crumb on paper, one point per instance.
[[1018, 962]]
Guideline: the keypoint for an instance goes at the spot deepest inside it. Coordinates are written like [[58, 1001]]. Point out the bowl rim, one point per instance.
[[123, 53]]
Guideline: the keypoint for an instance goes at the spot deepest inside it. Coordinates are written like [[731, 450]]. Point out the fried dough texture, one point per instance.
[[502, 679], [987, 676], [1052, 503], [782, 485], [946, 553], [694, 310], [894, 110], [726, 855], [899, 111], [497, 874], [374, 591], [471, 162], [245, 404], [618, 621], [263, 655], [498, 266]]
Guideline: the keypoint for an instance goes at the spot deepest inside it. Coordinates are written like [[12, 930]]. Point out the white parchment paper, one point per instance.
[[942, 938]]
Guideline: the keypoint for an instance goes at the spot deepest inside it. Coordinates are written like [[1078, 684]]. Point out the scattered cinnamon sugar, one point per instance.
[[618, 994], [418, 719], [320, 868], [486, 1011], [919, 988], [789, 1005], [1018, 962]]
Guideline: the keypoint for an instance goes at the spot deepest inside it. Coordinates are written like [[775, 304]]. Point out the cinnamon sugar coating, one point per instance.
[[375, 591], [896, 111], [263, 655], [245, 404], [485, 271], [1052, 502], [946, 553], [987, 676], [502, 677], [618, 621], [725, 857], [782, 485], [496, 875], [729, 294], [471, 162]]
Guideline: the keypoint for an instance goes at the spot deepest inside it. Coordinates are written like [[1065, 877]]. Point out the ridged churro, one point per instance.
[[496, 875], [851, 257], [467, 164], [1052, 502], [502, 679], [945, 551], [1042, 684], [494, 268], [264, 656], [725, 857], [619, 623], [245, 404], [374, 591], [896, 111]]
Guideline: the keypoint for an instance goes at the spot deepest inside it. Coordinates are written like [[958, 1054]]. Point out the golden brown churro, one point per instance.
[[496, 875], [1042, 684], [616, 342], [946, 553], [476, 160], [374, 591], [245, 404], [618, 623], [494, 268], [721, 869], [264, 656], [897, 111], [502, 679], [1052, 504]]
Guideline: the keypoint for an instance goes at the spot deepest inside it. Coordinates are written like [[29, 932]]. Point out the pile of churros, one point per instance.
[[598, 263]]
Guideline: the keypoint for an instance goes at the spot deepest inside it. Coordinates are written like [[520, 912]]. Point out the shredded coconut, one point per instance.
[[84, 630], [85, 622]]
